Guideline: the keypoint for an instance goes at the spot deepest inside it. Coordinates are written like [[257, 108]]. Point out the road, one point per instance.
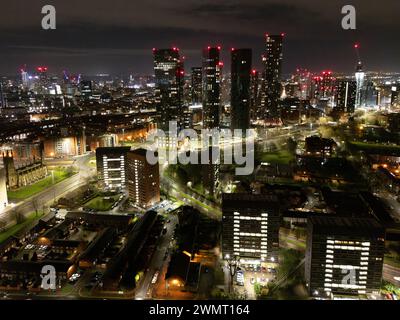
[[157, 261], [191, 198], [391, 274], [49, 195]]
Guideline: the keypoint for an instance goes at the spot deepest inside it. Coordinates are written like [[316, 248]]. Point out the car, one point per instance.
[[155, 277], [240, 278], [252, 281]]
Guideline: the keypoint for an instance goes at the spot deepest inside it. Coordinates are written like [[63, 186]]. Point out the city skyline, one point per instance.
[[199, 151]]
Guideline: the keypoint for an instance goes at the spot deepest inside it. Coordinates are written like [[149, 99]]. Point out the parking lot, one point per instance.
[[251, 276]]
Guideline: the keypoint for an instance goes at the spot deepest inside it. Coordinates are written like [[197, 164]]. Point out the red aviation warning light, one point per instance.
[[283, 34], [41, 69], [219, 47], [221, 64], [254, 71]]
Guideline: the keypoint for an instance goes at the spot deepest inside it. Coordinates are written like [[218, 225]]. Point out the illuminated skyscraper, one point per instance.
[[196, 85], [86, 89], [273, 71], [212, 67], [3, 190], [323, 86], [250, 227], [344, 255], [346, 96], [24, 78], [240, 88], [111, 164], [360, 77], [169, 73], [254, 94], [143, 179]]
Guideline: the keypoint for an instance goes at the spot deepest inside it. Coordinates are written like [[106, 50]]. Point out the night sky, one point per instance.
[[116, 36]]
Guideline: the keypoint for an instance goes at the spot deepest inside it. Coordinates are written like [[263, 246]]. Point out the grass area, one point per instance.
[[392, 261], [293, 287], [392, 253], [375, 147], [92, 162], [297, 243], [18, 227], [28, 191], [102, 203], [277, 157]]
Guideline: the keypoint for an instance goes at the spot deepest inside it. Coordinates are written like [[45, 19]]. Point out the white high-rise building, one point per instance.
[[360, 79]]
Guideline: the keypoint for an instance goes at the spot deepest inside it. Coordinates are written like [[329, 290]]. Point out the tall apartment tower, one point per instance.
[[3, 102], [360, 81], [272, 74], [250, 227], [240, 88], [344, 256], [143, 179], [111, 167], [3, 189], [196, 85], [212, 67], [346, 96], [169, 74], [254, 94]]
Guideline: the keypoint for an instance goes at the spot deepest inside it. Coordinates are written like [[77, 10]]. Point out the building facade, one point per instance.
[[240, 88], [272, 74], [212, 67], [169, 74], [3, 190], [250, 227], [344, 256], [346, 96], [196, 85], [24, 173], [143, 179], [111, 167]]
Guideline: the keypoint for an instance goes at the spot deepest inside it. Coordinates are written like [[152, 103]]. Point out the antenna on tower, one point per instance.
[[359, 63], [357, 49]]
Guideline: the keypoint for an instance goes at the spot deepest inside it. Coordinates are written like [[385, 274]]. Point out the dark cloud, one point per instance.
[[117, 36], [255, 12]]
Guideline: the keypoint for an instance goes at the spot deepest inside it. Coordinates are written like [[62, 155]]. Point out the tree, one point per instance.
[[17, 216], [36, 205], [291, 146]]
